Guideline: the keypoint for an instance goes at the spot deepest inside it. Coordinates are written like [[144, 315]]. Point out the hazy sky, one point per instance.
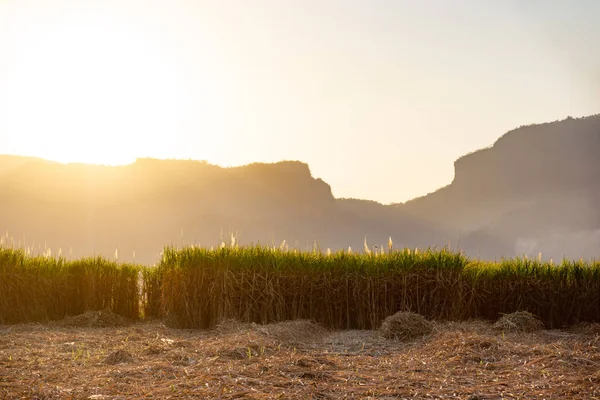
[[379, 97]]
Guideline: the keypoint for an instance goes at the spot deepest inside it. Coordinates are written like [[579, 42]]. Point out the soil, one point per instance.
[[295, 360]]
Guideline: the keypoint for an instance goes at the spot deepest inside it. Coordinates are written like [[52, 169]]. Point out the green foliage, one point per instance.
[[558, 294], [346, 291], [45, 288], [198, 288], [201, 287], [151, 292]]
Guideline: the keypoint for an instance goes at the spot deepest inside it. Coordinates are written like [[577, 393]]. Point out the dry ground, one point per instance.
[[294, 360]]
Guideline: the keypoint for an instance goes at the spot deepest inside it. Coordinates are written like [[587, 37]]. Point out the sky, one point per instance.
[[379, 97]]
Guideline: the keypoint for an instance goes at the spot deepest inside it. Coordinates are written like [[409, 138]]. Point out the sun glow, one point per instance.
[[85, 85]]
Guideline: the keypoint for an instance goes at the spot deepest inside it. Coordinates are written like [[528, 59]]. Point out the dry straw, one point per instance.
[[405, 326], [520, 321]]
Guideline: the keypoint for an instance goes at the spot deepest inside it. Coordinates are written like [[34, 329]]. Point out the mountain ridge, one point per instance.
[[534, 183]]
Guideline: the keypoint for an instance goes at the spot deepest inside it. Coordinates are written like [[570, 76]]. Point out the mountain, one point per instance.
[[536, 189], [88, 209]]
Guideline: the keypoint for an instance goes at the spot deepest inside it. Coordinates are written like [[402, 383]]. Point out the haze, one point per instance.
[[378, 97]]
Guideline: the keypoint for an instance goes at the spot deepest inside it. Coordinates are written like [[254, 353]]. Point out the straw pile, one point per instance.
[[520, 321], [405, 326], [95, 319]]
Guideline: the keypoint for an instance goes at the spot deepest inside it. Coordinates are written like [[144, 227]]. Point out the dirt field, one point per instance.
[[76, 359]]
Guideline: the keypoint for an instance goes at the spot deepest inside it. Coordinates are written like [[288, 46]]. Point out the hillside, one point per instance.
[[535, 190], [89, 209]]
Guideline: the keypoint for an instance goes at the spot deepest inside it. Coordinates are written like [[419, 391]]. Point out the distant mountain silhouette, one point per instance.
[[87, 209], [536, 189]]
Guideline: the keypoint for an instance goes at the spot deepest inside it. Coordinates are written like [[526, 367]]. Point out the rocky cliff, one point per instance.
[[534, 183]]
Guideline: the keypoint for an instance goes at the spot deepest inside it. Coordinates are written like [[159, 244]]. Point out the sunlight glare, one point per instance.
[[87, 87]]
